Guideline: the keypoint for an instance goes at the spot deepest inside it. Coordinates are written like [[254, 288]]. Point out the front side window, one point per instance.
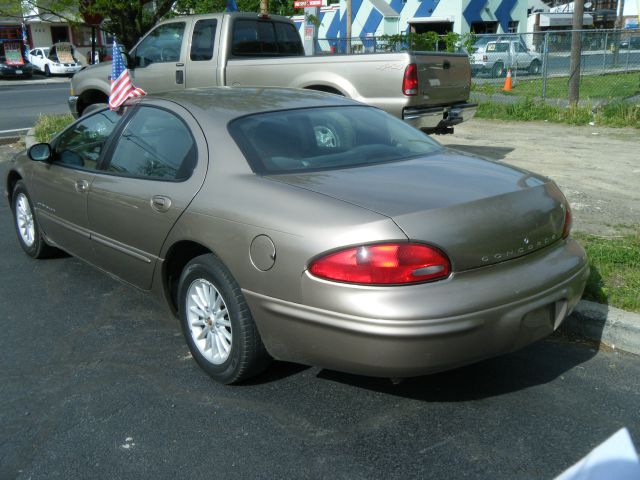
[[204, 34], [163, 44], [82, 144], [326, 138], [155, 144]]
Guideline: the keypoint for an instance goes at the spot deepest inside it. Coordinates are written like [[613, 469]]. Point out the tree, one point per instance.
[[130, 20]]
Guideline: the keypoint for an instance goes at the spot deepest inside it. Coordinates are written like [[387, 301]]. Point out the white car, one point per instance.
[[59, 59]]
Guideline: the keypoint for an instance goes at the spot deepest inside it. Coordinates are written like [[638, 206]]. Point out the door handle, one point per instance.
[[82, 186], [160, 203]]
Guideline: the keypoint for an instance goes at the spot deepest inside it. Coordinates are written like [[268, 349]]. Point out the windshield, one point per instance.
[[326, 138]]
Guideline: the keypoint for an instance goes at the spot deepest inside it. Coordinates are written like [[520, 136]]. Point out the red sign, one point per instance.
[[307, 3]]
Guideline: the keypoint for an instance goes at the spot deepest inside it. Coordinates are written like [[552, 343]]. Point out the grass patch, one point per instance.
[[610, 86], [617, 114], [48, 125], [615, 270]]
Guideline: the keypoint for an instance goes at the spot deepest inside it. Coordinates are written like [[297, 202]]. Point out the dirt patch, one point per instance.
[[597, 168]]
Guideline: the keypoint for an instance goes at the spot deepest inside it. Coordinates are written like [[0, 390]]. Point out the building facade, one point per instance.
[[373, 18]]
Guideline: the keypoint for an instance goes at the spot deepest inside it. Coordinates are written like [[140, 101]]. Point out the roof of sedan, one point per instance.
[[227, 103]]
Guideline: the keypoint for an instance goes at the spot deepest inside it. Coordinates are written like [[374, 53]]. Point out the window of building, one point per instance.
[[513, 26]]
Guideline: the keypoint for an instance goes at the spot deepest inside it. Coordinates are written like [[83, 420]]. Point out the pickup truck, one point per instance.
[[428, 90], [496, 57]]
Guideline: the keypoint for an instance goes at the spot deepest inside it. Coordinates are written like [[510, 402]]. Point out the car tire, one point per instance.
[[26, 225], [534, 68], [89, 109], [217, 323], [497, 70], [47, 71]]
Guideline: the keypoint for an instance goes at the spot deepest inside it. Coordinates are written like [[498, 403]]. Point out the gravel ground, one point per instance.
[[598, 168]]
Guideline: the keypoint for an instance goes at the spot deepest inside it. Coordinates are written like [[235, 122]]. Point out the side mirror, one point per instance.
[[40, 152], [128, 60]]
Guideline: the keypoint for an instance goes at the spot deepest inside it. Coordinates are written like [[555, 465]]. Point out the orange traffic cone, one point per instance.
[[507, 82]]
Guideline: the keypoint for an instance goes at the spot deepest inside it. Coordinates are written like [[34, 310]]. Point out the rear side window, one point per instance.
[[260, 37], [155, 144], [204, 34], [326, 138]]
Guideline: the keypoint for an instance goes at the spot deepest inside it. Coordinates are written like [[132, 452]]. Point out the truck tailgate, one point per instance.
[[443, 78]]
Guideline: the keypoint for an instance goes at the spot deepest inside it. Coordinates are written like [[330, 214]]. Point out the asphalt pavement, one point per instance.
[[96, 382], [23, 101]]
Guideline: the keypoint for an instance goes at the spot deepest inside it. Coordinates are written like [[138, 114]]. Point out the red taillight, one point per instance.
[[383, 264], [410, 80], [567, 221]]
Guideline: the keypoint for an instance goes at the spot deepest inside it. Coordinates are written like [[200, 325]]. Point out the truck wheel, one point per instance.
[[93, 108], [497, 70], [534, 68]]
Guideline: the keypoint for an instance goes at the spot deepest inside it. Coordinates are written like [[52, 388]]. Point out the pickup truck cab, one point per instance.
[[428, 90], [496, 57]]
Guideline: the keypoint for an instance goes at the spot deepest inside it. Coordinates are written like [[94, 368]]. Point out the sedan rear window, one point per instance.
[[326, 138]]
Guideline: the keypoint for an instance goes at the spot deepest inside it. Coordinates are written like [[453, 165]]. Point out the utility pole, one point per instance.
[[576, 50], [348, 26], [264, 8], [617, 34]]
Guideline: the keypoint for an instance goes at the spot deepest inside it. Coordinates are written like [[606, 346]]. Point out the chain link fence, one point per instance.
[[538, 63]]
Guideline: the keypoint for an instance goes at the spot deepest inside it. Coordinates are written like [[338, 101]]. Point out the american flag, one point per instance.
[[121, 86]]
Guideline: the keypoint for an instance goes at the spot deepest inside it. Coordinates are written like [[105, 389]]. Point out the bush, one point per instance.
[[48, 125]]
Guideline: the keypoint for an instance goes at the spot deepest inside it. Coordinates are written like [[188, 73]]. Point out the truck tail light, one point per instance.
[[410, 80], [567, 221], [383, 264]]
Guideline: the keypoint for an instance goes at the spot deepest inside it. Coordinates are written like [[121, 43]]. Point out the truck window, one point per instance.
[[162, 45], [288, 39], [264, 38], [204, 34]]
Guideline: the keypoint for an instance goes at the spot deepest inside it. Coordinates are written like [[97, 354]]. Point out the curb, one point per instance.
[[32, 81], [30, 138], [611, 326]]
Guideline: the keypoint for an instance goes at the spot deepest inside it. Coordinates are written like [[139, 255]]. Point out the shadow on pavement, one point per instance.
[[492, 153], [537, 364]]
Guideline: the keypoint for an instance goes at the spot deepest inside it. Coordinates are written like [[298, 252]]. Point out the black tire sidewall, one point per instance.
[[534, 68], [207, 267]]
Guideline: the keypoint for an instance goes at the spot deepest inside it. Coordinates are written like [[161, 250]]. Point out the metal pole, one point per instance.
[[545, 64], [604, 55], [93, 45], [348, 26], [576, 49]]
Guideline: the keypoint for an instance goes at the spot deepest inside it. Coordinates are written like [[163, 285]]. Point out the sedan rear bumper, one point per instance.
[[414, 330]]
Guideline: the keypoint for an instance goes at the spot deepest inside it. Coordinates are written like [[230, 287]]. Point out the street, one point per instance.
[[96, 382], [23, 101]]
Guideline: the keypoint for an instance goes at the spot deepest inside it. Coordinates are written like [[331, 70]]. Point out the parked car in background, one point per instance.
[[496, 57], [59, 59], [304, 226], [630, 42], [12, 62]]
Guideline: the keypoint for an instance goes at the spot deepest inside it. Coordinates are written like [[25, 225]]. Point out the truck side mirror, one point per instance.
[[129, 61]]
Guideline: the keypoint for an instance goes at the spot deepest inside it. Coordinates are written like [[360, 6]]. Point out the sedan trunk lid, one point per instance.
[[479, 212]]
